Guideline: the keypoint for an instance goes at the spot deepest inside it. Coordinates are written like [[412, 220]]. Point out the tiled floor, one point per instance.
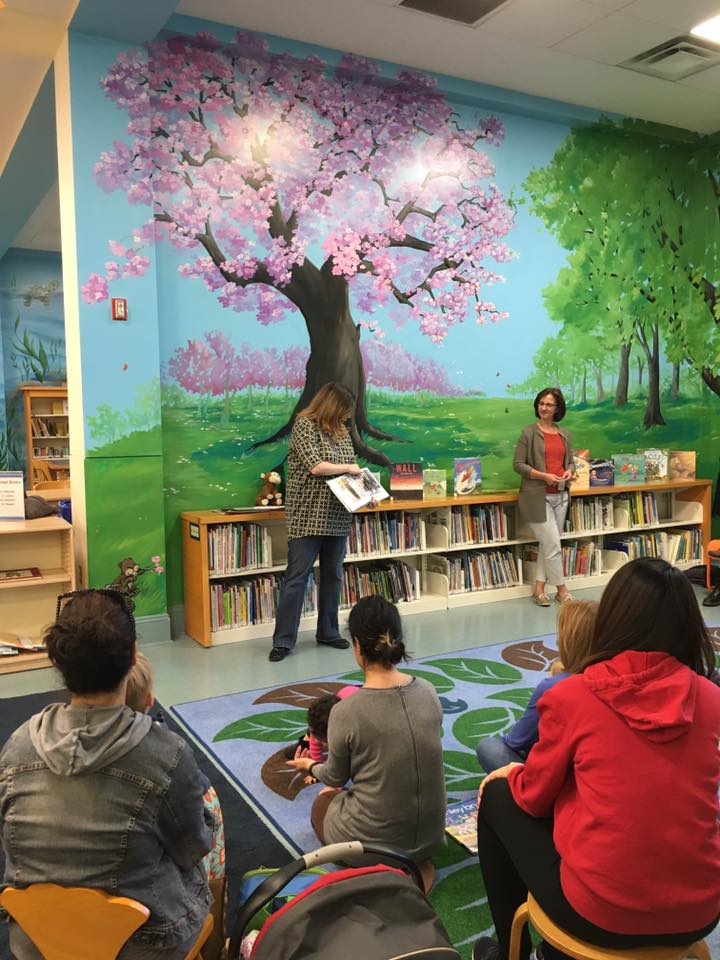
[[185, 671]]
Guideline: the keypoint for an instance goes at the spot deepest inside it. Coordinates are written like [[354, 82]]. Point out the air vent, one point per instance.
[[675, 59], [462, 11]]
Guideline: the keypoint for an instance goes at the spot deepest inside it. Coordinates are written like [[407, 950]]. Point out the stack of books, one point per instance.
[[482, 570], [396, 581], [384, 532], [580, 558], [233, 547], [478, 524]]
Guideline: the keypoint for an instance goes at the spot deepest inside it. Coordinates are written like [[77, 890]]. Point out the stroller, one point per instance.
[[361, 913]]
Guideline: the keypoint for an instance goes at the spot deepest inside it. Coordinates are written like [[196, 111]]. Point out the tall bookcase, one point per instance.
[[432, 554], [29, 605], [47, 435]]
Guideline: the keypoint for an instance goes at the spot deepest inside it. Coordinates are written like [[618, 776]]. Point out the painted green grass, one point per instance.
[[207, 464]]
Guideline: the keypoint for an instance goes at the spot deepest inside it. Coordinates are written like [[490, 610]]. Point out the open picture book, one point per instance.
[[461, 823], [356, 490]]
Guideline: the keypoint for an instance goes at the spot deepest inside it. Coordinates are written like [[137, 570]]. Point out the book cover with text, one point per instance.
[[629, 468], [434, 484], [656, 465], [582, 469], [406, 481], [602, 473], [461, 823]]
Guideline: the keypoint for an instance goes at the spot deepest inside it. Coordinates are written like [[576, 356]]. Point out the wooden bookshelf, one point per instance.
[[683, 505], [28, 606], [47, 436]]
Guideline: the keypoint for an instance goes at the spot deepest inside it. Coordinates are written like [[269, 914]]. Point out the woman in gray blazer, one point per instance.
[[544, 460]]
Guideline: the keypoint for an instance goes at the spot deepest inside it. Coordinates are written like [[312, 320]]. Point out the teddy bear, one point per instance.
[[269, 495]]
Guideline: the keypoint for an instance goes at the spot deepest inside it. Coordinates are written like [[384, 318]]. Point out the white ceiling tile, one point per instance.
[[707, 80], [610, 4], [615, 38], [543, 24], [680, 14]]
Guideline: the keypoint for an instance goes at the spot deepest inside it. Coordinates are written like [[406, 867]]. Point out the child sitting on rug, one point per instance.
[[314, 742], [575, 627], [139, 696]]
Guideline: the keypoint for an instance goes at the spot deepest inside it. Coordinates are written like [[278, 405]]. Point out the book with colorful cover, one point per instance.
[[461, 823], [629, 468], [582, 469], [356, 490], [406, 481], [467, 476], [434, 484], [602, 473], [656, 465], [681, 465]]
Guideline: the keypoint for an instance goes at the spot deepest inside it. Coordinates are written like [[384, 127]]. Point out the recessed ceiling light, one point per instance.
[[708, 30]]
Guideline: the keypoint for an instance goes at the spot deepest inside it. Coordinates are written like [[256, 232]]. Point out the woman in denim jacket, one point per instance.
[[94, 794]]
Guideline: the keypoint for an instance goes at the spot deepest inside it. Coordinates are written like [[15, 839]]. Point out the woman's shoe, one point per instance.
[[564, 598], [277, 654], [486, 949], [541, 599]]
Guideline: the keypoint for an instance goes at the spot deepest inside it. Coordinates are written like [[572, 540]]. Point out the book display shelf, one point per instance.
[[432, 554], [47, 437], [28, 605]]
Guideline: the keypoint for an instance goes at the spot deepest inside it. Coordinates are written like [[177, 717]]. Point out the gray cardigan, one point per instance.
[[530, 455], [388, 743]]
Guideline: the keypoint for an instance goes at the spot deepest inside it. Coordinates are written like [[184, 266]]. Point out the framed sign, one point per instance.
[[12, 495]]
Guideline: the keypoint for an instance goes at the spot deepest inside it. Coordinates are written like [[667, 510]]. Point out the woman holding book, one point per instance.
[[544, 460], [317, 523]]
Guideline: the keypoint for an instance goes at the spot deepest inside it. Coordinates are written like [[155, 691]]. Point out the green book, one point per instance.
[[434, 484], [629, 468]]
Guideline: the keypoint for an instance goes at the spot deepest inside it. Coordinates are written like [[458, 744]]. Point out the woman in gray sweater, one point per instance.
[[386, 740]]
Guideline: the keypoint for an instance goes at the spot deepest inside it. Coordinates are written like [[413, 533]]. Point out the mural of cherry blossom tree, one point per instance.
[[211, 367], [299, 188], [392, 367]]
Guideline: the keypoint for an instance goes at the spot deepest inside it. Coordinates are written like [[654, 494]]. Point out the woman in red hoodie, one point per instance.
[[612, 822]]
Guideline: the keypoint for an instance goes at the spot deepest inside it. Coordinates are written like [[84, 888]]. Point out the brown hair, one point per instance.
[[139, 684], [331, 406], [557, 395], [649, 605], [575, 632]]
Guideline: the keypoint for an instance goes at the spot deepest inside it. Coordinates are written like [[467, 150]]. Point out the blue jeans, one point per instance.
[[493, 752], [302, 552]]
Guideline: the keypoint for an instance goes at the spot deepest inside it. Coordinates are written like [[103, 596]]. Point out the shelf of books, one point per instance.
[[432, 554], [36, 563], [46, 433]]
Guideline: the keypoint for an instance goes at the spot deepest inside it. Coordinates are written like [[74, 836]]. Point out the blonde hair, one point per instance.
[[139, 685], [575, 632], [331, 406]]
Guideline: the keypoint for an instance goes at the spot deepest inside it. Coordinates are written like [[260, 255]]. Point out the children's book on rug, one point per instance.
[[656, 465], [602, 473], [467, 476], [434, 484], [406, 481], [582, 469], [356, 490], [629, 468], [681, 465], [461, 823]]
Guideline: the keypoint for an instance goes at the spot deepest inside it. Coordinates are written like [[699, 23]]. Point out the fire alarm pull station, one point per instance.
[[119, 308]]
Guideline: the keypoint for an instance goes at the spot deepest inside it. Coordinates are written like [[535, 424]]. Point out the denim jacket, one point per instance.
[[102, 797]]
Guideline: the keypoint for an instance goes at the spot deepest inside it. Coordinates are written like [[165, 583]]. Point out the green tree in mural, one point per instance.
[[300, 188], [636, 208], [108, 424]]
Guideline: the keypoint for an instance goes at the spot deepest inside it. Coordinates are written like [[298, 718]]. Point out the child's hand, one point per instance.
[[309, 781]]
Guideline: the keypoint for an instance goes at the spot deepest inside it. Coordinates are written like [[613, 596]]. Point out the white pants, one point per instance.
[[549, 561]]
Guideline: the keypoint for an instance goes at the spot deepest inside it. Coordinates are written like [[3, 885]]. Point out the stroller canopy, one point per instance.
[[372, 913]]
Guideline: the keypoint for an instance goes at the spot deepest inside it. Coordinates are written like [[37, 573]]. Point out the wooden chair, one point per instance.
[[532, 912], [50, 485], [41, 472], [78, 923]]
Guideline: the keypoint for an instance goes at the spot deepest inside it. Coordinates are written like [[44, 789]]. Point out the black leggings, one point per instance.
[[517, 855]]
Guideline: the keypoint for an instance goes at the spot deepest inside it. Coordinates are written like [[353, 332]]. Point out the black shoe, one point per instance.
[[486, 949], [337, 644], [713, 598], [277, 654]]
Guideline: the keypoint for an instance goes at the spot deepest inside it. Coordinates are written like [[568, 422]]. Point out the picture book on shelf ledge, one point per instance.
[[467, 476], [602, 473], [356, 490], [629, 468], [582, 469], [681, 465], [656, 465], [406, 481], [461, 823], [434, 484]]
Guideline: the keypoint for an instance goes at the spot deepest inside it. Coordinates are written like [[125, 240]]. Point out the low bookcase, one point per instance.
[[432, 554]]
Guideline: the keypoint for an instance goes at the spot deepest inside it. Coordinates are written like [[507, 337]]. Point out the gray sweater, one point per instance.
[[388, 743]]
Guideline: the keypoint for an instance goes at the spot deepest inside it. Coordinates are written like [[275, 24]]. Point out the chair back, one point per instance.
[[74, 923], [50, 485]]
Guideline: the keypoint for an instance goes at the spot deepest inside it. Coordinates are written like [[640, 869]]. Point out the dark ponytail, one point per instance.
[[376, 627]]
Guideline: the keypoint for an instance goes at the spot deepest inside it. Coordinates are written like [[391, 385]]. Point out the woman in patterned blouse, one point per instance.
[[318, 524]]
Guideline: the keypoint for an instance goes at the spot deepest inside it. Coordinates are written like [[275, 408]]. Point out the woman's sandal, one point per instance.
[[541, 599]]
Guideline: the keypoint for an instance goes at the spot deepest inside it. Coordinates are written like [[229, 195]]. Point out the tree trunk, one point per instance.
[[583, 398], [712, 380], [225, 415], [323, 300], [675, 382], [653, 416], [623, 381], [599, 386], [641, 367]]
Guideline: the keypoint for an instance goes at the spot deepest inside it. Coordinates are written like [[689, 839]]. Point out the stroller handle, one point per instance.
[[270, 888]]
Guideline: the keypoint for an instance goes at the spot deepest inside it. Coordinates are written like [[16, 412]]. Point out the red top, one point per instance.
[[554, 457], [628, 764]]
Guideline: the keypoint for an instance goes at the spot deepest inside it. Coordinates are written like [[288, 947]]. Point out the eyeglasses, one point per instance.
[[550, 405]]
